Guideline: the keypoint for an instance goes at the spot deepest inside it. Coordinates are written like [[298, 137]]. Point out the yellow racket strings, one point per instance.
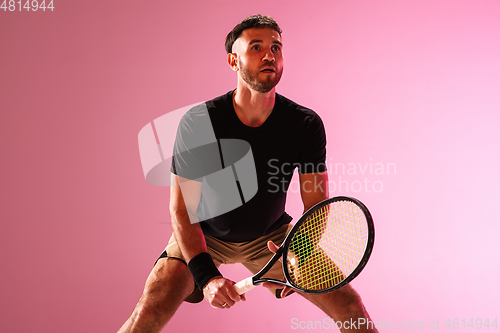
[[328, 246]]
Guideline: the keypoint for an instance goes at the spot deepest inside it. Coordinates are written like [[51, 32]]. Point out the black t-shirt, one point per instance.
[[291, 137]]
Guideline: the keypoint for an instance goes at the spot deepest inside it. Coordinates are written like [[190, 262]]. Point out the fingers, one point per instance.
[[272, 247], [220, 293], [285, 291], [272, 285], [232, 294]]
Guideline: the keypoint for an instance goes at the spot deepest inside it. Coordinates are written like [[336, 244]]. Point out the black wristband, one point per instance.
[[203, 269]]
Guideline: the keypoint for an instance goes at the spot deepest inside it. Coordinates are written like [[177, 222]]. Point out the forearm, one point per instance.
[[184, 199], [313, 188], [189, 236], [193, 246]]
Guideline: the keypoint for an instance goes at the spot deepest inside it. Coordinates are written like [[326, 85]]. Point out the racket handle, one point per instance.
[[244, 285]]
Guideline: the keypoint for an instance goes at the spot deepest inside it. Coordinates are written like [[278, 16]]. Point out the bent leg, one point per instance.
[[344, 305], [168, 284]]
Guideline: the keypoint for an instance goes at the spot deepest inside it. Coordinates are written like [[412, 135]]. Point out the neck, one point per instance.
[[253, 107]]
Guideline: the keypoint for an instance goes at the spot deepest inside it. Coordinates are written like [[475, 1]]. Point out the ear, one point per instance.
[[232, 60]]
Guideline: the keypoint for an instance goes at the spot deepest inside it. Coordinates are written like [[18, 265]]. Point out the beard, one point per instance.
[[262, 85]]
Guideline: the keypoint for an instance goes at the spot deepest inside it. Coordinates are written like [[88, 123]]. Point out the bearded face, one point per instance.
[[258, 58], [261, 79]]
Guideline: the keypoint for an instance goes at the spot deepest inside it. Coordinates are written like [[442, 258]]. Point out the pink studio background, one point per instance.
[[410, 86]]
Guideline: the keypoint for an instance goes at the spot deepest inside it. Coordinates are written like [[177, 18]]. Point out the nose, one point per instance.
[[269, 56]]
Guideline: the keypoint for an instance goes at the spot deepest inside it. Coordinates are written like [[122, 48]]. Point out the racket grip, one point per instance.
[[244, 285]]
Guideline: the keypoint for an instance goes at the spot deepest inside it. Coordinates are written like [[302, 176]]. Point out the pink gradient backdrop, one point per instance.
[[410, 84]]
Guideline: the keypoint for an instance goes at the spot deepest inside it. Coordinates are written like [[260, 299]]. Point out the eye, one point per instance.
[[256, 47], [276, 48]]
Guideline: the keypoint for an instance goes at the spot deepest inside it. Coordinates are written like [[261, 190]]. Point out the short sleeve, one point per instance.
[[195, 152], [312, 156]]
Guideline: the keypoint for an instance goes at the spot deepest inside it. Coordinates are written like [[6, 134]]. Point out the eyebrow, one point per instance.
[[254, 41]]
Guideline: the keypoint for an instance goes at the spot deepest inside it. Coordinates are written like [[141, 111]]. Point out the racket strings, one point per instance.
[[328, 246]]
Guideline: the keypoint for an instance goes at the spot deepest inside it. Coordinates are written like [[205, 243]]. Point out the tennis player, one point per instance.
[[283, 136]]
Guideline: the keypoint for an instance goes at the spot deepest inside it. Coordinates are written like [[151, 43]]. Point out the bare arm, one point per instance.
[[184, 199], [313, 188]]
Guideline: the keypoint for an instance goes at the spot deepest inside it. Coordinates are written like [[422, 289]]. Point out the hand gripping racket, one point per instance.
[[325, 250]]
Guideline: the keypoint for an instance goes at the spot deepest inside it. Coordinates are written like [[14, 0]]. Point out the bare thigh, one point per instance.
[[344, 305], [168, 284], [169, 281]]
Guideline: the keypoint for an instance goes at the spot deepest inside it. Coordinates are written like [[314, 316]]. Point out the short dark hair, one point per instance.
[[254, 21]]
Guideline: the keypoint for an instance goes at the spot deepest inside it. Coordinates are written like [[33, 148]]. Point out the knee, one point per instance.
[[345, 298]]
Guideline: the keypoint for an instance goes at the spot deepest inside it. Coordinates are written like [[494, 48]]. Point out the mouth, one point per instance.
[[268, 70]]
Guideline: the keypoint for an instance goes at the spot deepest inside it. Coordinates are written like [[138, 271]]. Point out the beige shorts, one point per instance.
[[253, 255]]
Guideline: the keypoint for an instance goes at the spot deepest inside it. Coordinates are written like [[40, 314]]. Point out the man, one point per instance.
[[282, 136]]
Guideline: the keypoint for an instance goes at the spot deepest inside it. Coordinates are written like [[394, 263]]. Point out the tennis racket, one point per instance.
[[325, 250]]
